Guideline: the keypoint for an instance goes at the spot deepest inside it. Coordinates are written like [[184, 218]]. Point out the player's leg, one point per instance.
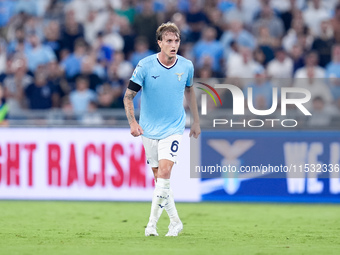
[[155, 171], [169, 207], [151, 152], [160, 197], [167, 154]]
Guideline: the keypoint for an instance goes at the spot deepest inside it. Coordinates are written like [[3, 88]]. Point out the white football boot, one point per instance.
[[175, 228], [151, 230]]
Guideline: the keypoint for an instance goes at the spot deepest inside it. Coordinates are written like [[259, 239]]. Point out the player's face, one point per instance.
[[169, 44]]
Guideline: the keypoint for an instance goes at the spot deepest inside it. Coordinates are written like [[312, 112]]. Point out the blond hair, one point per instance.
[[168, 27]]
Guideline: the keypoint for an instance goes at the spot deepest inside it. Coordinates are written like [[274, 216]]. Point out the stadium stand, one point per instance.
[[68, 62]]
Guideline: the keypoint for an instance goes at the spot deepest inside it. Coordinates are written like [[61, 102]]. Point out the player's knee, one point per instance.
[[164, 170], [165, 174]]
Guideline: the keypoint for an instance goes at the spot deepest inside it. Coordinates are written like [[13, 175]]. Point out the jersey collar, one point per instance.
[[167, 67]]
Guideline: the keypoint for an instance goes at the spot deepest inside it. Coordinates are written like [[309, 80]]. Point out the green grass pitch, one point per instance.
[[209, 228]]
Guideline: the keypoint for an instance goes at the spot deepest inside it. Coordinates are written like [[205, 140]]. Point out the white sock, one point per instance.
[[170, 208], [160, 198]]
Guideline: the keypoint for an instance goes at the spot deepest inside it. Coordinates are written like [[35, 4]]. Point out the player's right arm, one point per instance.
[[135, 85], [135, 128]]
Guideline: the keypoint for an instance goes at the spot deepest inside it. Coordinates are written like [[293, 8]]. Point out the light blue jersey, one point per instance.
[[162, 112]]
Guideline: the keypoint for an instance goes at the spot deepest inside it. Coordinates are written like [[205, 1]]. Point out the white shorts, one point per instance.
[[166, 148]]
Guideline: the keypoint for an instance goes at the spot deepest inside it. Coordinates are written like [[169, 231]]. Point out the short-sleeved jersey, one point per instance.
[[162, 113]]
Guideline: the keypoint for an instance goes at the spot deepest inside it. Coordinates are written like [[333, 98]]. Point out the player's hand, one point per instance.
[[136, 129], [195, 130]]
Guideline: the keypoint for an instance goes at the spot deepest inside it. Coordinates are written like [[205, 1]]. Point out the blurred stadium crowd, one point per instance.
[[76, 56]]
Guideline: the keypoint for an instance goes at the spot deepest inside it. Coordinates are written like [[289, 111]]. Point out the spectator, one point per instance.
[[106, 96], [209, 7], [205, 75], [111, 36], [111, 96], [259, 56], [146, 23], [311, 65], [127, 11], [208, 52], [336, 23], [88, 71], [262, 93], [38, 54], [83, 7], [238, 34], [280, 69], [323, 44], [67, 109], [315, 86], [180, 20], [216, 21], [117, 85], [333, 72], [33, 25], [242, 66], [270, 21], [40, 93], [196, 20], [7, 11], [82, 96], [52, 37], [266, 40], [283, 6], [91, 117], [54, 10], [305, 39], [128, 37], [27, 6], [170, 10], [72, 64], [103, 51], [71, 31], [239, 12], [3, 108], [18, 20], [183, 5], [322, 113], [158, 7], [314, 15], [3, 56], [94, 24], [124, 68], [262, 5], [141, 51], [15, 84], [58, 82], [267, 44], [287, 15], [225, 5], [297, 56], [20, 38]]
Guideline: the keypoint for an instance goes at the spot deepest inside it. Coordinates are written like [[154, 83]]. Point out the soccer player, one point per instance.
[[164, 78]]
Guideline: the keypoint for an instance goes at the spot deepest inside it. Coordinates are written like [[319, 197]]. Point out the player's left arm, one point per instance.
[[191, 99]]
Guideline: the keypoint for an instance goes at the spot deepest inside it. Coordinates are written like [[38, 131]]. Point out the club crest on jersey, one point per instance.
[[179, 76]]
